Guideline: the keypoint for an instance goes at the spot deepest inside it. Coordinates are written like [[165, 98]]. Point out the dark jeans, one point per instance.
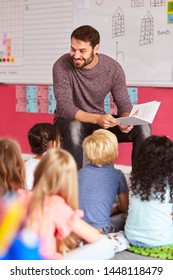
[[73, 132]]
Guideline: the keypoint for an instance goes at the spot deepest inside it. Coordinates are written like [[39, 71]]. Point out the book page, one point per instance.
[[141, 114], [145, 111]]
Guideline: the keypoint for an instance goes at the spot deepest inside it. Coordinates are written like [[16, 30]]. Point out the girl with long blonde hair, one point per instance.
[[53, 211]]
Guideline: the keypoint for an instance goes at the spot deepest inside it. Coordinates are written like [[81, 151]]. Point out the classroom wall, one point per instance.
[[16, 124]]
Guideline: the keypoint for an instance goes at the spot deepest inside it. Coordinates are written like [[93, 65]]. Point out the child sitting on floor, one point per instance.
[[12, 168], [149, 220], [53, 212], [100, 183], [41, 137]]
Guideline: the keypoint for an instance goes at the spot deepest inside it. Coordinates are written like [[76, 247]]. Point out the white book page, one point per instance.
[[141, 114], [145, 111]]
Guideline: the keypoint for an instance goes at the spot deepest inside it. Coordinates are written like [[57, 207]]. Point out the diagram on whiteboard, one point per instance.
[[137, 3], [119, 53], [33, 34], [156, 3], [153, 3], [118, 28], [147, 30], [99, 2], [11, 34]]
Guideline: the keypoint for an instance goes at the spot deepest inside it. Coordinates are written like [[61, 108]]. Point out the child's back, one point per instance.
[[98, 189], [149, 220], [100, 182]]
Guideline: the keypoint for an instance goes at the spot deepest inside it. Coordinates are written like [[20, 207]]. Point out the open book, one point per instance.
[[141, 114]]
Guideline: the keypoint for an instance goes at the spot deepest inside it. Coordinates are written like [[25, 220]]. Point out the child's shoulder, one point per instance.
[[31, 162]]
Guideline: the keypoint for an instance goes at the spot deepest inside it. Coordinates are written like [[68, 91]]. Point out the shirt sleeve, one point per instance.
[[65, 218], [63, 89], [119, 91]]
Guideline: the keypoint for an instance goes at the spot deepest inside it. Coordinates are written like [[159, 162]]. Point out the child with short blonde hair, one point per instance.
[[100, 183], [101, 148]]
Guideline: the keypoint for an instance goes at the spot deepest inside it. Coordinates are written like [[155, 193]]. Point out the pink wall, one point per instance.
[[16, 125]]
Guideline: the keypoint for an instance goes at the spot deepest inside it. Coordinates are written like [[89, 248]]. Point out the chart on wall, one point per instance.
[[33, 34], [136, 33]]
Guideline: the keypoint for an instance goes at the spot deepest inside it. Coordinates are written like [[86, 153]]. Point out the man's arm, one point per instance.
[[104, 120]]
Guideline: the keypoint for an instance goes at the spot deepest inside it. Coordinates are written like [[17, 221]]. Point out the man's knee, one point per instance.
[[76, 131], [141, 132], [146, 130], [71, 131]]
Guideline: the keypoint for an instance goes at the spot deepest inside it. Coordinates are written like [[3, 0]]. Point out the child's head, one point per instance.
[[101, 147], [42, 136], [12, 169], [153, 168], [56, 174]]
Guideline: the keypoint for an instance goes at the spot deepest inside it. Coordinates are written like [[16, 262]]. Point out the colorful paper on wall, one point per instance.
[[35, 99], [170, 11]]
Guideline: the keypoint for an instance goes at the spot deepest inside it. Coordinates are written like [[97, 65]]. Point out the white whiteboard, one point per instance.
[[134, 32], [38, 32]]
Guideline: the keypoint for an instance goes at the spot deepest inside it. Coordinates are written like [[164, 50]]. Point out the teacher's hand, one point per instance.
[[106, 121], [125, 128]]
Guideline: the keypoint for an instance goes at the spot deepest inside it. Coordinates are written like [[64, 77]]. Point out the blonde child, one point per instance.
[[12, 168], [100, 183], [53, 211], [41, 136]]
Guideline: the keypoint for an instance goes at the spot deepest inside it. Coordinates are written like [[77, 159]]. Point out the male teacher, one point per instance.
[[82, 79]]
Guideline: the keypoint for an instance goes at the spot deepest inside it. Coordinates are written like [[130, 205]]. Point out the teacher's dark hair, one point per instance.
[[87, 33]]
